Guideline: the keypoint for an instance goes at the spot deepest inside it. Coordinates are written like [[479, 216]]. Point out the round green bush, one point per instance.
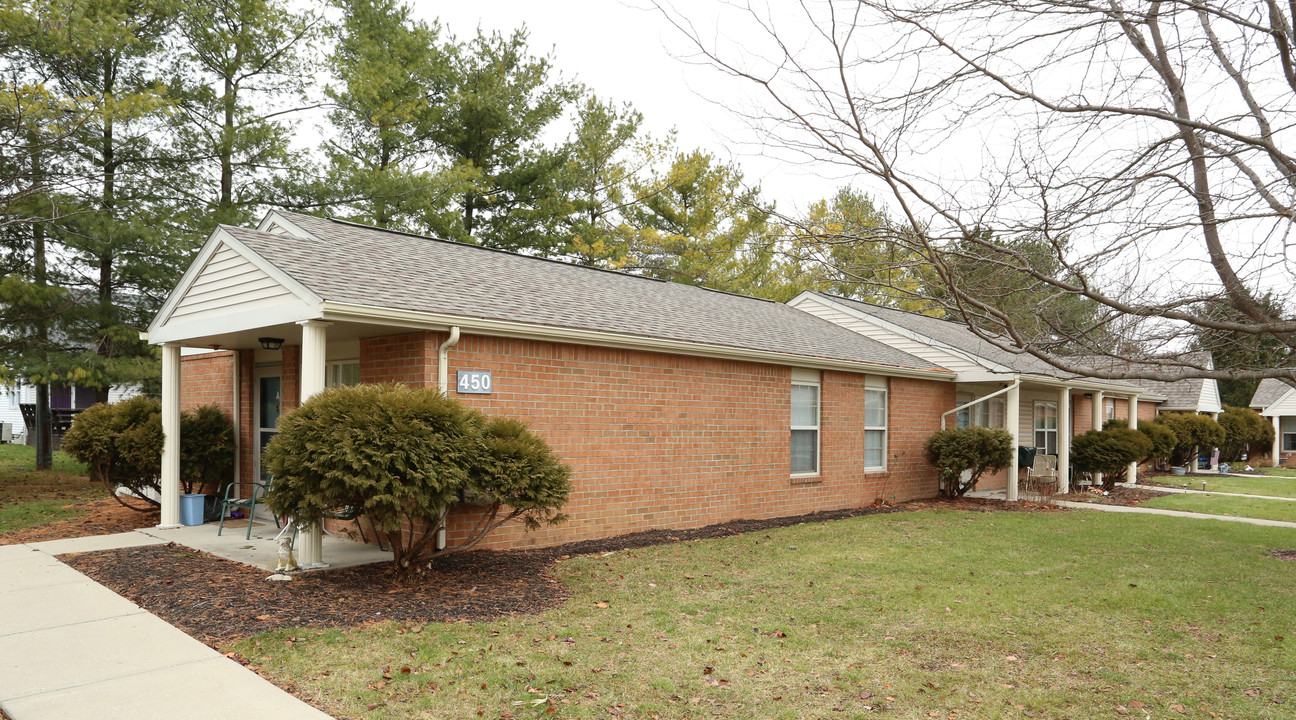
[[1243, 428], [1109, 451], [403, 457], [975, 450], [1192, 432]]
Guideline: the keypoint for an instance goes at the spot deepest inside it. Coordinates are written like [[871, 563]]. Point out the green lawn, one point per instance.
[[1225, 505], [29, 498], [1271, 486], [1278, 471], [928, 614]]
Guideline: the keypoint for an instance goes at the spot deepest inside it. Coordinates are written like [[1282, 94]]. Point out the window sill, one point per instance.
[[806, 479]]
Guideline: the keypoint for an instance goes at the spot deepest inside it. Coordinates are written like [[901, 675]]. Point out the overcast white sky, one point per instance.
[[627, 51]]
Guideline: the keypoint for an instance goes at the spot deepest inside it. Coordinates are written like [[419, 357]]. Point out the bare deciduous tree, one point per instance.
[[1144, 145]]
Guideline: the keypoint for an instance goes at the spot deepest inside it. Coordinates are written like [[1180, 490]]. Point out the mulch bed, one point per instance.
[[1128, 496], [1288, 555], [102, 517], [217, 600]]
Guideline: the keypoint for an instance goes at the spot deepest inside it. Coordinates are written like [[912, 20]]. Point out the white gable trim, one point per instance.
[[275, 219], [162, 329], [1209, 401], [990, 365], [1286, 401]]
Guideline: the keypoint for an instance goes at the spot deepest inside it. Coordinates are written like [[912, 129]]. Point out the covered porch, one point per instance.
[[1044, 414]]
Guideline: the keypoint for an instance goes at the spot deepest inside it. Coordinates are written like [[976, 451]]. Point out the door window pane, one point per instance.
[[271, 402]]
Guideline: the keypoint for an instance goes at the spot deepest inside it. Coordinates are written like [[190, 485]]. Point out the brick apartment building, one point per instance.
[[676, 406]]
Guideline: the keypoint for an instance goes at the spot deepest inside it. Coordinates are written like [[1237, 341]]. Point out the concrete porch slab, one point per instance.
[[262, 551]]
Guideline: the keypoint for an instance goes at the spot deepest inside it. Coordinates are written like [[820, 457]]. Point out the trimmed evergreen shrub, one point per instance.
[[1109, 451], [517, 470], [1191, 431], [1243, 428], [121, 445], [975, 450], [1161, 438], [404, 457]]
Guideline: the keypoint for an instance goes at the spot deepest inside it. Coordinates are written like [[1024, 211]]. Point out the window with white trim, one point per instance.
[[805, 428], [1046, 433], [1289, 442], [15, 395], [989, 413], [875, 428], [1109, 409], [343, 372]]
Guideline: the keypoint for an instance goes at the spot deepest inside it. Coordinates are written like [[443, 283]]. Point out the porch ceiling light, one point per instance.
[[269, 343]]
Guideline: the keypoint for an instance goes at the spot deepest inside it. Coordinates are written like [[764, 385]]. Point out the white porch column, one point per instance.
[[1277, 443], [1131, 476], [314, 337], [170, 436], [1064, 440], [1096, 423], [1012, 415]]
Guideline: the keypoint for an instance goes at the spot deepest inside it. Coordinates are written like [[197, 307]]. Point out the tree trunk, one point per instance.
[[44, 429]]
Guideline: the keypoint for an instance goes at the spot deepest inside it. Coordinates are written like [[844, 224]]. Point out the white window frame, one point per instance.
[[886, 416], [983, 414], [1045, 431], [1289, 446], [331, 368], [817, 428], [15, 395], [1109, 409]]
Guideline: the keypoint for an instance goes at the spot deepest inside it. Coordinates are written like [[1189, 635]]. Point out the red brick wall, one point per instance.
[[207, 380], [247, 434], [659, 440], [291, 388], [408, 358]]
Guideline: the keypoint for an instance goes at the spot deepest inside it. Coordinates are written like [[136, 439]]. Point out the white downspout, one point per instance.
[[443, 384]]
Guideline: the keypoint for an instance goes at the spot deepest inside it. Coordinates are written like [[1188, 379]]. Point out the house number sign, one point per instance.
[[474, 382]]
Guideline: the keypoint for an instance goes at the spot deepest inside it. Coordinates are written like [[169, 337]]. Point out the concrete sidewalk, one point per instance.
[[72, 648], [1172, 513]]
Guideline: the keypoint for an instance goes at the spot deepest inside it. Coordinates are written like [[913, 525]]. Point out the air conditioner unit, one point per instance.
[[6, 432]]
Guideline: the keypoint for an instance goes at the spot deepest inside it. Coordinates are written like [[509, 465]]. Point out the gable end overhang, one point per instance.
[[304, 303]]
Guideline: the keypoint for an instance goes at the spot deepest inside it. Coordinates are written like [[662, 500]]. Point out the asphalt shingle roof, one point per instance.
[[358, 264], [1268, 392]]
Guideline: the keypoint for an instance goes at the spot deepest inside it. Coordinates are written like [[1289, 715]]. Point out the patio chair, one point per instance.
[[1042, 476], [250, 502]]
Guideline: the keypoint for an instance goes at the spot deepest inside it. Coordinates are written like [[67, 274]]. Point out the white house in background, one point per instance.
[[1049, 406], [13, 397], [1276, 400]]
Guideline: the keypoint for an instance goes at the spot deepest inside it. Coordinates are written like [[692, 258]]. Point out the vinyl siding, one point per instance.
[[934, 355], [228, 283]]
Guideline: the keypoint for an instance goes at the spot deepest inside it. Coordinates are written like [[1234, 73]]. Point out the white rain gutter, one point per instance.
[[443, 356], [1016, 383], [443, 384]]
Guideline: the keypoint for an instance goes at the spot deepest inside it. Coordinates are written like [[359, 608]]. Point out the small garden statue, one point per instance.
[[287, 563]]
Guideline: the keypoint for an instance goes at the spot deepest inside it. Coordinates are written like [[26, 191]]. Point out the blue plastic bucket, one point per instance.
[[191, 509]]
